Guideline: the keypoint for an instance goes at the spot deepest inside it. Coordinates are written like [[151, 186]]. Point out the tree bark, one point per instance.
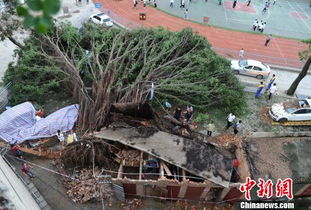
[[301, 75], [13, 40]]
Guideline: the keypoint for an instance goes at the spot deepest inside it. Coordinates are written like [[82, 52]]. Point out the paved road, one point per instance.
[[283, 80], [6, 54]]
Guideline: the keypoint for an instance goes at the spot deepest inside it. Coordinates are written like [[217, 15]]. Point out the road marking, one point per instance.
[[300, 19]]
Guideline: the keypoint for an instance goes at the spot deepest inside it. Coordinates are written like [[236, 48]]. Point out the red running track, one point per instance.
[[281, 51]]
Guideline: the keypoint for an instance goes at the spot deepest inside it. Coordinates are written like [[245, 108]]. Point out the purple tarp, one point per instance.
[[19, 123]]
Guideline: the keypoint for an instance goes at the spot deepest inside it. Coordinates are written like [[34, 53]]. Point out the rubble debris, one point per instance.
[[131, 158], [226, 140], [88, 187]]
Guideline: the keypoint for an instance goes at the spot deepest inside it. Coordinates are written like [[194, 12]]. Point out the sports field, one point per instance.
[[286, 18]]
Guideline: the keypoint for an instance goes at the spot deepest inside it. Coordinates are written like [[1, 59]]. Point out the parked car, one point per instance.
[[251, 68], [101, 19], [297, 110]]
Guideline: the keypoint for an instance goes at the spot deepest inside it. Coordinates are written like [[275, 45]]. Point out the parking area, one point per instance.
[[285, 18]]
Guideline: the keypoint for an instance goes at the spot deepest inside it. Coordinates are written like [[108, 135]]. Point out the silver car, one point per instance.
[[250, 68], [298, 110]]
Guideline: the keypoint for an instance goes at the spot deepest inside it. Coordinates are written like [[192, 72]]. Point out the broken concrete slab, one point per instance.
[[201, 159]]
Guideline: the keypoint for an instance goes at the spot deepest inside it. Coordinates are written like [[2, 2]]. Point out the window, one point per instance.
[[308, 111], [256, 68], [106, 20], [248, 67], [97, 18], [300, 111], [243, 63]]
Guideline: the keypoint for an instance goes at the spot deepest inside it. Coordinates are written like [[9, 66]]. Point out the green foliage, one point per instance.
[[45, 9], [33, 76], [181, 65], [202, 118]]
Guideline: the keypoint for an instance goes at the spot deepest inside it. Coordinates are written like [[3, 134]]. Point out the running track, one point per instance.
[[282, 52]]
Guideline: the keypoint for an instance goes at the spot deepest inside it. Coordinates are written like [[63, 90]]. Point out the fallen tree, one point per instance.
[[106, 67]]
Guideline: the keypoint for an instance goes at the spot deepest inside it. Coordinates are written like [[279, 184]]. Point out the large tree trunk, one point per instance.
[[301, 75], [11, 38]]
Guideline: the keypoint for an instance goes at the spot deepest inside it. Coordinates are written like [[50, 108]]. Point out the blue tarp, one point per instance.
[[19, 122]]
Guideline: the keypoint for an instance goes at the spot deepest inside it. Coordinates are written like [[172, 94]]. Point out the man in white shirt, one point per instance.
[[241, 53], [230, 120], [171, 3], [272, 90]]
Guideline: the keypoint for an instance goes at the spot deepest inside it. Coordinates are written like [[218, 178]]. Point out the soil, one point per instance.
[[268, 158]]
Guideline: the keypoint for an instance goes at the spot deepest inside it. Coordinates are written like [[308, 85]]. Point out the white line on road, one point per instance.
[[301, 18]]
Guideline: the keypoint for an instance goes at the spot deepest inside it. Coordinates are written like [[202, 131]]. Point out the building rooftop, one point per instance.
[[201, 159]]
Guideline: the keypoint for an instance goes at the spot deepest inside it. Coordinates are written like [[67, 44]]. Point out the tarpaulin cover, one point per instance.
[[19, 123]]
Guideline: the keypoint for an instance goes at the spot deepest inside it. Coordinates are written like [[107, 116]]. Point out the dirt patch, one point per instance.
[[268, 159]]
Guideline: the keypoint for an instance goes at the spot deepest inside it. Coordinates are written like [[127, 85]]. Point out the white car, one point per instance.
[[101, 19], [251, 68], [298, 110]]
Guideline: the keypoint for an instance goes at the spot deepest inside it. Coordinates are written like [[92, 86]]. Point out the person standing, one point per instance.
[[236, 127], [182, 3], [272, 90], [16, 150], [234, 3], [274, 1], [263, 27], [241, 53], [144, 3], [186, 14], [189, 113], [171, 3], [26, 169], [269, 37], [259, 89], [135, 3], [230, 120], [210, 128], [259, 25], [255, 25], [271, 82], [249, 2], [60, 136], [177, 113]]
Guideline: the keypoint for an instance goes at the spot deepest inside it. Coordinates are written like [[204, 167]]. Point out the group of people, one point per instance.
[[231, 121], [135, 2], [71, 137], [187, 114], [270, 89], [259, 25]]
